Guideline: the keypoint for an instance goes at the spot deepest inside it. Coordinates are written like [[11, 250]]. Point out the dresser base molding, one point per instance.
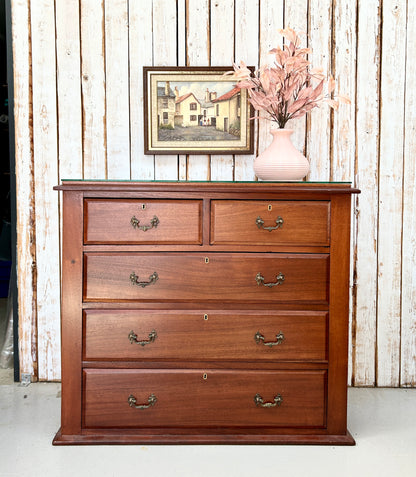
[[146, 438]]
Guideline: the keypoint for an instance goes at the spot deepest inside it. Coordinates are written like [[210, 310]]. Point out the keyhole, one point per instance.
[[269, 207], [205, 376]]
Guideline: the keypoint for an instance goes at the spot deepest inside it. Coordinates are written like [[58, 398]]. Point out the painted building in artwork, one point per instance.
[[187, 109], [227, 111], [165, 106], [208, 108]]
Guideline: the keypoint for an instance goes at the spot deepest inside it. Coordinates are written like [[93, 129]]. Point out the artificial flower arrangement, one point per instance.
[[285, 89]]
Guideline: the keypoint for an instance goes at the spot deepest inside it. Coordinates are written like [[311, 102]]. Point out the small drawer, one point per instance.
[[124, 221], [196, 277], [213, 335], [270, 222], [135, 398]]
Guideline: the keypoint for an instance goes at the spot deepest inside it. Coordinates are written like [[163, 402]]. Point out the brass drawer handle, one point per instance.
[[277, 400], [133, 338], [279, 280], [260, 223], [153, 278], [258, 337], [151, 400], [135, 223]]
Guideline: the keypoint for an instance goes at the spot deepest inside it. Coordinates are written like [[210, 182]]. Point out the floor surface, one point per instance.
[[382, 421]]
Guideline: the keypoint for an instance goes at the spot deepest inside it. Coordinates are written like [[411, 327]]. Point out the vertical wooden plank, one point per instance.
[[181, 22], [390, 195], [222, 53], [117, 89], [46, 176], [164, 54], [198, 46], [25, 207], [344, 49], [246, 39], [319, 121], [408, 328], [93, 89], [364, 325], [271, 20], [296, 17], [140, 54], [343, 137], [68, 57]]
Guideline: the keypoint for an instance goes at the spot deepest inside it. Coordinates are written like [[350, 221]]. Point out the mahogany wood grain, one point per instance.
[[211, 187], [189, 277], [188, 335], [209, 271], [205, 397], [109, 221], [71, 326], [223, 436], [304, 222], [338, 323]]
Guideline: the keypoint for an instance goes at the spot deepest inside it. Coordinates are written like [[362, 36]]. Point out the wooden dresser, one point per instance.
[[205, 312]]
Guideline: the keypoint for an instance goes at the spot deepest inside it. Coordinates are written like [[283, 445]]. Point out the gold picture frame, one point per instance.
[[195, 110]]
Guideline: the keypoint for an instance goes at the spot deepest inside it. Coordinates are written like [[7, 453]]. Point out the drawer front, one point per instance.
[[198, 277], [203, 398], [142, 221], [270, 223], [189, 335]]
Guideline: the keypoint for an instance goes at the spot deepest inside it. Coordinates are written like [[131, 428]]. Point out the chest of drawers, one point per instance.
[[205, 313]]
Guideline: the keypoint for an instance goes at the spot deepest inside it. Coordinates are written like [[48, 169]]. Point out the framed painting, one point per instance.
[[195, 110]]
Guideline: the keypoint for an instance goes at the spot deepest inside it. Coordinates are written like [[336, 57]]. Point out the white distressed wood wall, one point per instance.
[[78, 114]]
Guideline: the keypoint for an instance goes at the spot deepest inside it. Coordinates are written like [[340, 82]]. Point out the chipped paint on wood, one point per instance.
[[25, 207], [393, 50], [93, 89], [89, 109], [408, 311], [140, 54], [117, 89], [367, 146], [45, 153]]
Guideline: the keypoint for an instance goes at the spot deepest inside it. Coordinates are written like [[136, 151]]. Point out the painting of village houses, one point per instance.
[[197, 113]]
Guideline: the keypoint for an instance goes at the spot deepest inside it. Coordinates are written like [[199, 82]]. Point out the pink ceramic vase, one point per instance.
[[281, 161]]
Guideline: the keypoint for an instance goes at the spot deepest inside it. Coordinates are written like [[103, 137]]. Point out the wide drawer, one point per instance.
[[130, 398], [190, 335], [177, 277], [270, 222], [125, 221]]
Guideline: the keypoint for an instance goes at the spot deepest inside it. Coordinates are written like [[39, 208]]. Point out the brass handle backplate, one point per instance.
[[258, 337], [277, 401], [279, 280], [153, 278], [133, 338], [151, 401], [135, 223], [260, 224]]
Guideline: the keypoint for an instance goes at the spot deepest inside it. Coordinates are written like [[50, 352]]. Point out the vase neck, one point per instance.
[[281, 132]]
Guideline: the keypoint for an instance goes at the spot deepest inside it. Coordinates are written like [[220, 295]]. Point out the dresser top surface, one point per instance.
[[206, 186]]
